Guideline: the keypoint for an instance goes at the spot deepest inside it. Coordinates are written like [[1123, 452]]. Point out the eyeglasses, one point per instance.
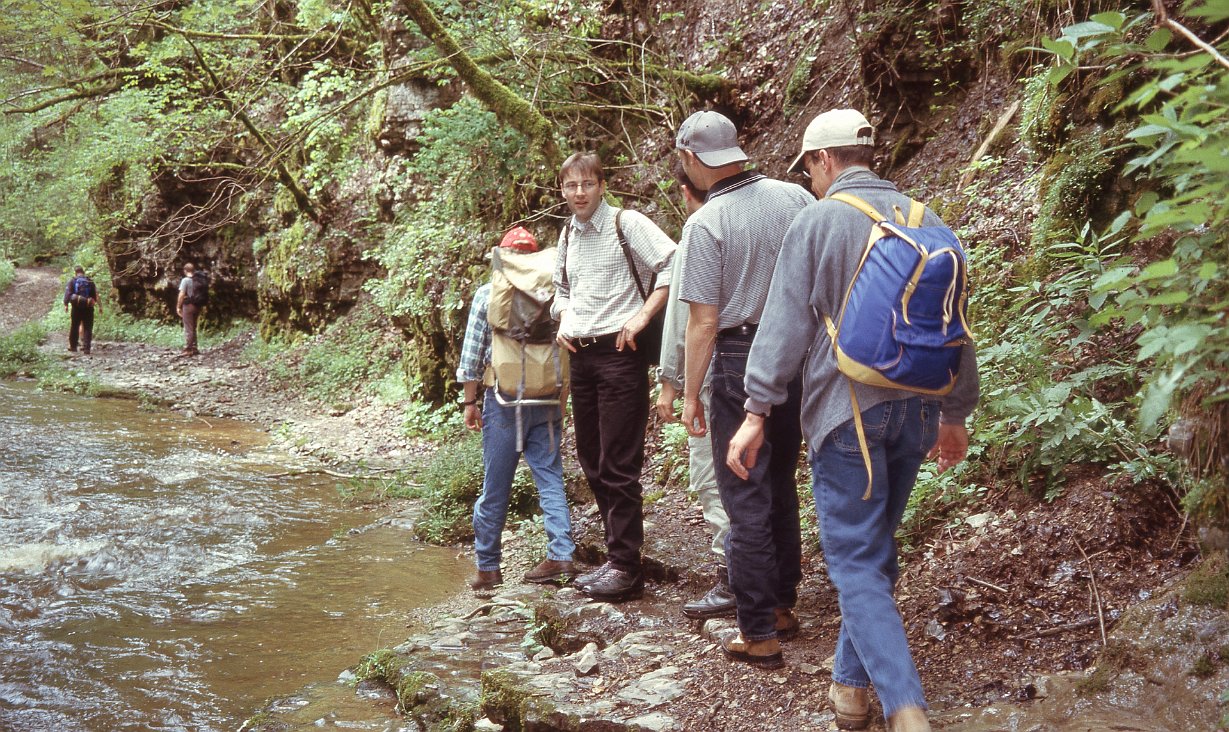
[[584, 185]]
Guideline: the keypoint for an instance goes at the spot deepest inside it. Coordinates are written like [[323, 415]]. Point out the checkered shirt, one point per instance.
[[476, 348], [598, 287]]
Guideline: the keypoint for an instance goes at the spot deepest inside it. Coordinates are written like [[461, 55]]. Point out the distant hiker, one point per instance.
[[895, 429], [193, 296], [601, 311], [729, 251], [506, 435], [718, 601], [81, 295]]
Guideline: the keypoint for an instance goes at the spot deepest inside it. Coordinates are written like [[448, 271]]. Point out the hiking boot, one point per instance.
[[761, 654], [616, 585], [718, 602], [787, 623], [485, 580], [909, 719], [851, 706], [591, 576], [550, 570]]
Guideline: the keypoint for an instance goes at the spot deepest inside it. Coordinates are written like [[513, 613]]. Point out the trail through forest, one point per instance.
[[1010, 605]]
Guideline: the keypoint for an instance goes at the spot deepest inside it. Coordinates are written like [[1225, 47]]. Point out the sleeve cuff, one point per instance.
[[755, 407]]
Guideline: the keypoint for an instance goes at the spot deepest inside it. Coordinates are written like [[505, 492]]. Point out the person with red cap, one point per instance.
[[543, 427]]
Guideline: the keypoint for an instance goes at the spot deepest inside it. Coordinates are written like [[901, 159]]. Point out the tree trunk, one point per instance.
[[511, 109]]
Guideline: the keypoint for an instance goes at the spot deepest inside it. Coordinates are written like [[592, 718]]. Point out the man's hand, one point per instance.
[[564, 336], [745, 446], [627, 336], [473, 417], [951, 447], [665, 402], [693, 418]]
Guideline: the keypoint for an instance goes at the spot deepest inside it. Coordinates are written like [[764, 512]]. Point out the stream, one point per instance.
[[157, 574]]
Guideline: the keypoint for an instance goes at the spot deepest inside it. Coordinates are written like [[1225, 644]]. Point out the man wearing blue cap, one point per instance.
[[729, 252]]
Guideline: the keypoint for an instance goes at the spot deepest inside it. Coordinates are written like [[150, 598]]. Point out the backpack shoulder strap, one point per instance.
[[859, 204], [917, 210], [627, 252]]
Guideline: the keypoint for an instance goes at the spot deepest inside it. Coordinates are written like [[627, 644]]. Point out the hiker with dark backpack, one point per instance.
[[610, 280], [510, 349], [80, 298], [193, 297], [869, 300]]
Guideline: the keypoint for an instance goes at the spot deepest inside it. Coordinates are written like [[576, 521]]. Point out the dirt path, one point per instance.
[[220, 382], [993, 603], [35, 291]]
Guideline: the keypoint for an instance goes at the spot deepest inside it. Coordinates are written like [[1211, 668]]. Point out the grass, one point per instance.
[[7, 273]]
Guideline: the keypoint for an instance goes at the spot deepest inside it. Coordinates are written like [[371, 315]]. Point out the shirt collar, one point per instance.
[[601, 216], [732, 182]]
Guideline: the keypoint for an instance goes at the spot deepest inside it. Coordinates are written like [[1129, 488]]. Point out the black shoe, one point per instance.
[[588, 578], [617, 585], [719, 602]]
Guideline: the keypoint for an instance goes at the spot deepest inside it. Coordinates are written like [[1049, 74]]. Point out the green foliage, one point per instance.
[[1178, 297], [449, 485], [448, 488], [7, 272], [670, 461], [19, 351]]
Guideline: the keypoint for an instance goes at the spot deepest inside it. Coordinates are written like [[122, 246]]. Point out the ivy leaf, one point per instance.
[[1208, 271], [1158, 40], [1063, 49], [1111, 278], [1163, 268]]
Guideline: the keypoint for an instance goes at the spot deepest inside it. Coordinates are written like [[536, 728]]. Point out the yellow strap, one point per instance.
[[916, 212], [859, 204], [866, 451]]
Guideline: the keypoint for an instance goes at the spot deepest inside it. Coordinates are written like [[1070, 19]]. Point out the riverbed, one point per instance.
[[165, 572]]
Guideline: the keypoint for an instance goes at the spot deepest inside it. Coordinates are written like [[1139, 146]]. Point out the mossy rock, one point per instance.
[[1208, 585]]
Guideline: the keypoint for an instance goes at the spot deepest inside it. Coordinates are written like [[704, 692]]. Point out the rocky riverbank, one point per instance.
[[1073, 614]]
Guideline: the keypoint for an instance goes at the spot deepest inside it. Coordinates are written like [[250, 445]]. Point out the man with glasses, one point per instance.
[[607, 258], [729, 251], [857, 523]]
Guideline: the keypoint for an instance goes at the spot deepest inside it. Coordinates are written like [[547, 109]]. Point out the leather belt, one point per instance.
[[746, 329], [602, 340]]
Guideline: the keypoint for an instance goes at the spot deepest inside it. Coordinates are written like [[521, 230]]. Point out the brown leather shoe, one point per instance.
[[909, 719], [787, 623], [851, 706], [761, 653], [487, 580], [550, 570]]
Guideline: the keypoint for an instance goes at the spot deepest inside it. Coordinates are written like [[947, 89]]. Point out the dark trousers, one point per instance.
[[190, 314], [82, 321], [764, 546], [610, 406]]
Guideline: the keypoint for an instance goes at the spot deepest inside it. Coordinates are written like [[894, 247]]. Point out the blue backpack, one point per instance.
[[904, 319]]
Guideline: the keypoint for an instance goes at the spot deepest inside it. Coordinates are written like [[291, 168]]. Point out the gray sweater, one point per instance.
[[818, 259]]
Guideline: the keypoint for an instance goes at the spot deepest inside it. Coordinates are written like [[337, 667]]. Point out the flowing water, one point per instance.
[[157, 574]]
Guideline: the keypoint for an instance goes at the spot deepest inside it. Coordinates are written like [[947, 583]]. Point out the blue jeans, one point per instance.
[[543, 428], [764, 547], [859, 542]]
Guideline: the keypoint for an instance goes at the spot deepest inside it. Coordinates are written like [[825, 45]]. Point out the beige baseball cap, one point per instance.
[[834, 128]]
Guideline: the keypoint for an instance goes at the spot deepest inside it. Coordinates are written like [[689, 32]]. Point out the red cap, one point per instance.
[[519, 239]]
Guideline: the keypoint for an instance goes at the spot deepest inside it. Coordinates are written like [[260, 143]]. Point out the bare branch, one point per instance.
[[1163, 18]]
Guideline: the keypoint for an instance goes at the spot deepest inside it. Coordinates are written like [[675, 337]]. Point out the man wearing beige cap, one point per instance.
[[818, 259], [729, 250]]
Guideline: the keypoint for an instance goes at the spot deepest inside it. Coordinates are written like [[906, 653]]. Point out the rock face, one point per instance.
[[182, 219]]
